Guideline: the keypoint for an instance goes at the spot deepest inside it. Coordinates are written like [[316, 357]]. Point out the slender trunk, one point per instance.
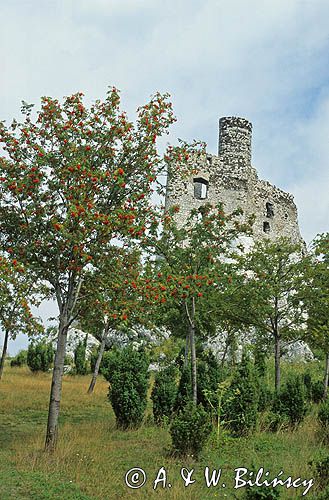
[[98, 362], [187, 341], [4, 352], [326, 378], [193, 353], [277, 355], [56, 386], [193, 363], [225, 350]]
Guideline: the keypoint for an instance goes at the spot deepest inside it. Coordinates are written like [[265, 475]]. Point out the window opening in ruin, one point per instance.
[[286, 216], [269, 209], [200, 188], [266, 227]]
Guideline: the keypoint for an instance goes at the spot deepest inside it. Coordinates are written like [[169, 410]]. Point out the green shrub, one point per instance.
[[323, 417], [80, 358], [20, 359], [291, 400], [184, 392], [307, 379], [317, 391], [128, 375], [265, 396], [241, 402], [190, 430], [40, 357], [275, 422], [164, 394], [261, 493], [320, 467], [208, 378]]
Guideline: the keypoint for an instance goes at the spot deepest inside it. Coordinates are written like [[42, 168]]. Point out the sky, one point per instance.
[[265, 60]]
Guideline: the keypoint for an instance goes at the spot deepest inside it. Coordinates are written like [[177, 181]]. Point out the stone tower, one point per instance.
[[230, 178]]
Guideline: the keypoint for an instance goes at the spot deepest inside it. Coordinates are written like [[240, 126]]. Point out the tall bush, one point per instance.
[[240, 407], [128, 376], [190, 430], [164, 394], [291, 401], [40, 357]]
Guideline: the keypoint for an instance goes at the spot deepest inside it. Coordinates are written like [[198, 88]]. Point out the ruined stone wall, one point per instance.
[[230, 178]]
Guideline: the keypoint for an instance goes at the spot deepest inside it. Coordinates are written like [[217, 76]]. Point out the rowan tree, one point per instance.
[[192, 273], [18, 292], [111, 298], [268, 301], [72, 180]]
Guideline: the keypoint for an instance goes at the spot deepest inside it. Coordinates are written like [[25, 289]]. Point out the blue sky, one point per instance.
[[266, 60]]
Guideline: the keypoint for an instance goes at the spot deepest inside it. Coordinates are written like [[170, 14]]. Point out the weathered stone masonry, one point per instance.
[[230, 178]]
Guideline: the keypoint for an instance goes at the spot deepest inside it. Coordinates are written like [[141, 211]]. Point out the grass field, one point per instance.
[[93, 456]]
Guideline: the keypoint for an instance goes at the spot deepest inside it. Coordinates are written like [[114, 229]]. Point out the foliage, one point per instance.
[[20, 359], [317, 391], [291, 400], [74, 181], [164, 394], [128, 375], [40, 356], [184, 392], [321, 470], [268, 300], [80, 361], [190, 430], [323, 417], [240, 407], [261, 493], [208, 375]]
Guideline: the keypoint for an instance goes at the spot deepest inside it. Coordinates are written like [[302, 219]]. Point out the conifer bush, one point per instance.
[[261, 493], [317, 391], [164, 394], [40, 357], [190, 430], [323, 417], [80, 358], [184, 392], [127, 371], [20, 359], [240, 405], [208, 376], [291, 400]]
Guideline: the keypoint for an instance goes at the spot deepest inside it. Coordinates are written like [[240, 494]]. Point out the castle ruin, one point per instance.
[[230, 178]]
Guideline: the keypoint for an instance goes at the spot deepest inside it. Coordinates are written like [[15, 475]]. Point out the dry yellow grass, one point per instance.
[[94, 455]]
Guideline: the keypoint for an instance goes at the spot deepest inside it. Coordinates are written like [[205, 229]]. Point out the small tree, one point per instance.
[[128, 375], [192, 274], [164, 394], [40, 356], [268, 301], [240, 407], [18, 292]]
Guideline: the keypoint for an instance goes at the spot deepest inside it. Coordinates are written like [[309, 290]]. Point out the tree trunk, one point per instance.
[[193, 363], [98, 362], [277, 355], [326, 378], [187, 341], [4, 352], [193, 353], [56, 387]]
